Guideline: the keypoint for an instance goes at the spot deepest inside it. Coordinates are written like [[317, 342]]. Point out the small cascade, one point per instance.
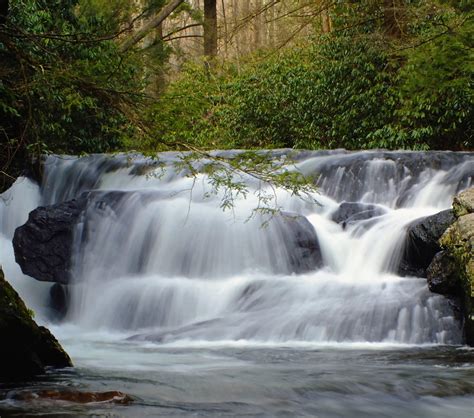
[[15, 205], [157, 259]]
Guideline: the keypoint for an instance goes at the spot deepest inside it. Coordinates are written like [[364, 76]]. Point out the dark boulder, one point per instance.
[[351, 212], [442, 274], [43, 245], [443, 278], [26, 349], [421, 243], [59, 300], [301, 242]]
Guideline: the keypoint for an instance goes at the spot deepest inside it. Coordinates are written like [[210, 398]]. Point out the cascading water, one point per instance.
[[165, 263], [194, 310], [15, 205]]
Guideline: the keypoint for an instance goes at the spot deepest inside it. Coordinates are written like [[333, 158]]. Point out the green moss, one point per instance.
[[10, 300], [463, 203], [26, 349], [458, 240]]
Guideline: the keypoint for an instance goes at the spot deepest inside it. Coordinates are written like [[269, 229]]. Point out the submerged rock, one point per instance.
[[350, 212], [72, 396], [421, 243], [26, 349]]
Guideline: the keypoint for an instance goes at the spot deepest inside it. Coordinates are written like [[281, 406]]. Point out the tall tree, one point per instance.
[[151, 24], [326, 22], [210, 28], [3, 11], [392, 17]]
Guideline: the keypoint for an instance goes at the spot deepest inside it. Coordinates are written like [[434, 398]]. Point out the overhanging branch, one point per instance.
[[150, 25]]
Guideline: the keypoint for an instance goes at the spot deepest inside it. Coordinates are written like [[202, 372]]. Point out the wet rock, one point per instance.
[[26, 349], [350, 212], [463, 203], [71, 396], [302, 243], [421, 243], [442, 275], [458, 242], [43, 245], [349, 175], [59, 300], [81, 175]]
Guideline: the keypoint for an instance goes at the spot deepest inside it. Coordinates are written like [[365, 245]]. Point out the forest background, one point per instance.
[[88, 76]]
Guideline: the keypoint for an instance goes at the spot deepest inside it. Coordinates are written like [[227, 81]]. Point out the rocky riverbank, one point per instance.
[[26, 349], [452, 270]]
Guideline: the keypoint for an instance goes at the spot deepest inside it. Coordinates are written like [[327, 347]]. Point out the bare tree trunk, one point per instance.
[[245, 47], [271, 28], [210, 28], [257, 24], [3, 11], [150, 25], [226, 30], [326, 22], [159, 82], [236, 37], [392, 17]]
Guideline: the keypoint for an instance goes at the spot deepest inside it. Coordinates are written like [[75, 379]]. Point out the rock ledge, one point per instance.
[[454, 276], [26, 349]]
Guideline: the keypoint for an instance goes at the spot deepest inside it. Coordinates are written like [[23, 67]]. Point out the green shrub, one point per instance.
[[353, 89], [61, 90], [330, 94], [437, 89]]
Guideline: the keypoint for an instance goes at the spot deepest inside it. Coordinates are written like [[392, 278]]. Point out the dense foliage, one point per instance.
[[65, 86], [354, 88], [436, 85]]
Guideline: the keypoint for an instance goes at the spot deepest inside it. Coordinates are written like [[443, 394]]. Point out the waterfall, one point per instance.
[[164, 263], [15, 205]]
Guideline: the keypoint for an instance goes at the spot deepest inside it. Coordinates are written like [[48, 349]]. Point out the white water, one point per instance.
[[166, 264], [15, 205]]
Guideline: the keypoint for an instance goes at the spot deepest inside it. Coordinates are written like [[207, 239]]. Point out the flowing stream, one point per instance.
[[193, 309]]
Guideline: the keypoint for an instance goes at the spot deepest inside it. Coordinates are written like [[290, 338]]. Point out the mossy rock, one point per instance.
[[463, 203], [26, 349], [458, 241]]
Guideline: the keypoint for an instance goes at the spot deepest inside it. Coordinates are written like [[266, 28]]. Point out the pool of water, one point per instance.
[[242, 379]]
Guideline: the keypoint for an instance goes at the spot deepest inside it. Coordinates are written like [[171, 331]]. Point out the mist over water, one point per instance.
[[160, 264]]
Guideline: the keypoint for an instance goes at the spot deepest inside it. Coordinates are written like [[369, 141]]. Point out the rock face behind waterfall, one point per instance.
[[351, 212], [302, 243], [43, 245], [26, 349], [455, 275], [421, 243]]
